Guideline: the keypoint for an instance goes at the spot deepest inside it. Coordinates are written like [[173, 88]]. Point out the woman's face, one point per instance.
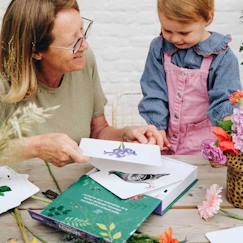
[[67, 31]]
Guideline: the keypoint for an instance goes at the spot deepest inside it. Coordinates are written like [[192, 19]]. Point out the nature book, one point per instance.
[[90, 211], [116, 197]]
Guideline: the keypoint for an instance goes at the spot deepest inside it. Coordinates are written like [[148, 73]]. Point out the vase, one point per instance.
[[234, 190], [215, 165]]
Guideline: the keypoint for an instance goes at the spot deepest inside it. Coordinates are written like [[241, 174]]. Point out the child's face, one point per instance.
[[183, 35]]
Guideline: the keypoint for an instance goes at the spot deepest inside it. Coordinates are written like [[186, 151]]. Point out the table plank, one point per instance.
[[183, 217], [185, 222]]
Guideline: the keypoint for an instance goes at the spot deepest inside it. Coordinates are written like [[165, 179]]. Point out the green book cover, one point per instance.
[[89, 210]]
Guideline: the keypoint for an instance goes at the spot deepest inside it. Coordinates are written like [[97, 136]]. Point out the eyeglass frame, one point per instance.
[[81, 39]]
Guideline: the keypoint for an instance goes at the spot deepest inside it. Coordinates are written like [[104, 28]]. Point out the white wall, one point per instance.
[[122, 32]]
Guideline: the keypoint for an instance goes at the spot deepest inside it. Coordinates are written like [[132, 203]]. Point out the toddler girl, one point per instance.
[[188, 77]]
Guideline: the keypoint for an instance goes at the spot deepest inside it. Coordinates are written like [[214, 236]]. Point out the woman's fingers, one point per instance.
[[59, 149]]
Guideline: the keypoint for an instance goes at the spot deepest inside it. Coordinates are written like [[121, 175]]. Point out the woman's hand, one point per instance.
[[146, 135], [57, 148]]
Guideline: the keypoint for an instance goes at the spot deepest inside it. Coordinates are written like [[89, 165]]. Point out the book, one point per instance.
[[170, 194], [170, 181], [90, 211], [116, 197]]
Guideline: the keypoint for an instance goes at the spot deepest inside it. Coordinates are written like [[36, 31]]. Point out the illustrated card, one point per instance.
[[122, 156], [14, 188]]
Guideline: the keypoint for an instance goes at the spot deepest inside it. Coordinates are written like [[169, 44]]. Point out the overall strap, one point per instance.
[[206, 63], [167, 58]]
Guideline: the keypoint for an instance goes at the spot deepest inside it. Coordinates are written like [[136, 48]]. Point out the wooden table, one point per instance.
[[183, 218]]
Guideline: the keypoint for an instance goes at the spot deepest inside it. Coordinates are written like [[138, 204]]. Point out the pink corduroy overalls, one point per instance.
[[188, 98]]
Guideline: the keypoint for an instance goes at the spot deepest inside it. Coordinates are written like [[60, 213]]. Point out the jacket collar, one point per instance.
[[215, 44]]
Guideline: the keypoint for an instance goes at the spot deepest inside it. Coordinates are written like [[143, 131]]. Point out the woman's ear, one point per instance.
[[37, 56]]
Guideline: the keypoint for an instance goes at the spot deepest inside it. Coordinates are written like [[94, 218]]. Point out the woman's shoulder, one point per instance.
[[90, 58]]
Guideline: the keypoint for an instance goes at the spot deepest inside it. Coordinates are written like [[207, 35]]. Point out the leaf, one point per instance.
[[117, 236], [112, 226], [5, 189], [104, 234], [241, 48], [60, 208], [226, 125], [102, 227], [67, 211], [52, 209]]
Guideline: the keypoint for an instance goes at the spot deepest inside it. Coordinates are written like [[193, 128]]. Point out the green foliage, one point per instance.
[[141, 238], [226, 125]]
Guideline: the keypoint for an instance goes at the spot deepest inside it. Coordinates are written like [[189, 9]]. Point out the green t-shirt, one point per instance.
[[80, 97]]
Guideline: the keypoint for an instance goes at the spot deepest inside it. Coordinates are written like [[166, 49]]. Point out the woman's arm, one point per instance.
[[100, 129], [56, 148]]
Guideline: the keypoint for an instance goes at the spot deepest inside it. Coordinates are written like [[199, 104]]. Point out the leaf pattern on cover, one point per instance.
[[76, 222], [107, 233]]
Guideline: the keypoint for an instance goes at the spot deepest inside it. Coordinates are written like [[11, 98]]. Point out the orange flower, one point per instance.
[[228, 146], [225, 142], [167, 237], [236, 98], [221, 134]]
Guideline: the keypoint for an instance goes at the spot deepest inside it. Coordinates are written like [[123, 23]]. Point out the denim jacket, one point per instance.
[[223, 79]]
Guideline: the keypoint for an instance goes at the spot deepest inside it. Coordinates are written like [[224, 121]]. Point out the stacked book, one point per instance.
[[129, 182]]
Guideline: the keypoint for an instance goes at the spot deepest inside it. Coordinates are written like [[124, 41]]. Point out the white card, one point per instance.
[[122, 188], [234, 235], [126, 189], [132, 158], [18, 188]]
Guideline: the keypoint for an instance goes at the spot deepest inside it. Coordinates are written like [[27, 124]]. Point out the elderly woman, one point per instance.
[[45, 59]]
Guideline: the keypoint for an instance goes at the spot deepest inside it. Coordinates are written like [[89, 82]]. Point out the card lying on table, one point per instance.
[[90, 211], [122, 156], [14, 188], [166, 185]]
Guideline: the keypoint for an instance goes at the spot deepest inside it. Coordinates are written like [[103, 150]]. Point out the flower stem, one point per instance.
[[231, 215], [44, 200], [34, 235], [21, 225], [53, 177]]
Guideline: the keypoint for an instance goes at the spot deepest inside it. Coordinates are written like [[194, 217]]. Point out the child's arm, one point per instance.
[[154, 105], [224, 79]]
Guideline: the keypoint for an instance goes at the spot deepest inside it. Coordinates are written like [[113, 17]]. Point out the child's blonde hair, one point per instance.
[[187, 11]]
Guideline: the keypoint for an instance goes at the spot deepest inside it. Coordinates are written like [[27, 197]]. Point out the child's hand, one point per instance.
[[166, 145]]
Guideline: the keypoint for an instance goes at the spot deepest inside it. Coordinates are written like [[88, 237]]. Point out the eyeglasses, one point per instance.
[[87, 23]]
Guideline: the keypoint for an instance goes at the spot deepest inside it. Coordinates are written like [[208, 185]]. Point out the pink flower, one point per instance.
[[211, 206], [213, 153]]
